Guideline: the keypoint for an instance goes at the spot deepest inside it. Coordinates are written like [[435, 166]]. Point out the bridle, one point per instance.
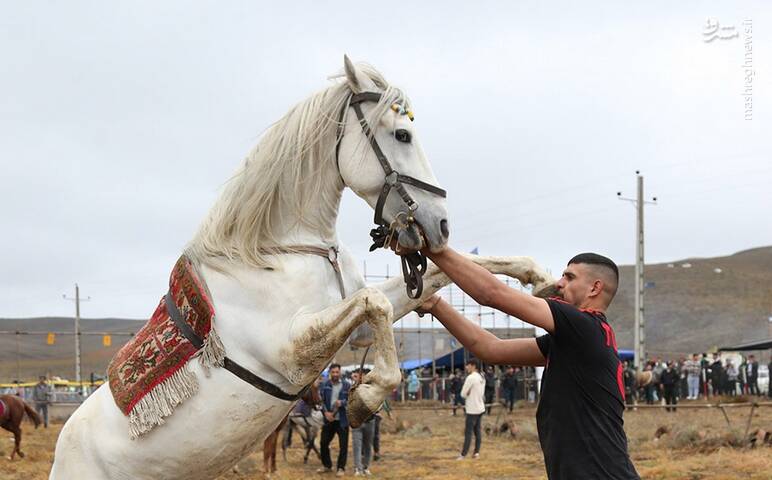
[[413, 264]]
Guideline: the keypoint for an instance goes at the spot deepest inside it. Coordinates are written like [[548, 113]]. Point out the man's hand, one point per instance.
[[337, 403], [427, 306], [329, 416]]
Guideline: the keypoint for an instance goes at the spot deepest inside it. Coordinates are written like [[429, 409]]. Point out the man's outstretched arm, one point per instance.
[[488, 290], [483, 344]]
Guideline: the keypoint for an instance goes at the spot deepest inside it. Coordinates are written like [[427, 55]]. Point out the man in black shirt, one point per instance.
[[579, 417]]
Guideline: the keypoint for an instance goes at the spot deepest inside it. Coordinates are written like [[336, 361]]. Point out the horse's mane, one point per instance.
[[285, 168]]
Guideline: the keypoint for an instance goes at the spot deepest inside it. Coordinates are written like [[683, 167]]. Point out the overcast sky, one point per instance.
[[119, 122]]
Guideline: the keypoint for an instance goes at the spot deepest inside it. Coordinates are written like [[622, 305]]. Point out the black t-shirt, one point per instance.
[[582, 399]]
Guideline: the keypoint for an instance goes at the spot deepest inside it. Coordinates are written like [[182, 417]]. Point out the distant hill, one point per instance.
[[714, 302], [698, 303]]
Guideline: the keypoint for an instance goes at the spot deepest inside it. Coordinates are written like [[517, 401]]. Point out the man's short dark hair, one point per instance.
[[334, 365], [595, 259], [474, 363], [606, 264]]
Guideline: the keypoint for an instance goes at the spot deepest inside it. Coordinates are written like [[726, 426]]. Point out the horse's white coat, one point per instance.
[[283, 324]]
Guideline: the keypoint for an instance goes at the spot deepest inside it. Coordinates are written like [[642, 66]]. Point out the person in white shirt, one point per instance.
[[473, 392]]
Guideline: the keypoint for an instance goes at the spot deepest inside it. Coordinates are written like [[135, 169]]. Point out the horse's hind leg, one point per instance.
[[316, 337]]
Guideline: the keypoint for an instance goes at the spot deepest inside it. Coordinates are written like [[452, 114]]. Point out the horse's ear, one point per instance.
[[357, 80]]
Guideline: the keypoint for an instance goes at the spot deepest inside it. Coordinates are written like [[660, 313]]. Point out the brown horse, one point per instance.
[[312, 398], [12, 409]]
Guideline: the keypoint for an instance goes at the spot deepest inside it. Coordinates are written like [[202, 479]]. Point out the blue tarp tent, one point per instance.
[[625, 355], [415, 363], [441, 362]]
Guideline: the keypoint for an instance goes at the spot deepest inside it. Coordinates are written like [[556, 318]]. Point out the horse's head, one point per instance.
[[381, 160]]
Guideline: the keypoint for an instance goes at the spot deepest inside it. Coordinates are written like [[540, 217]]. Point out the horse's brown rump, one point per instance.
[[13, 410]]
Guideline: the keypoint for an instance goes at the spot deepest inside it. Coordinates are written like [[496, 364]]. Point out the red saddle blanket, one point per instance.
[[148, 376]]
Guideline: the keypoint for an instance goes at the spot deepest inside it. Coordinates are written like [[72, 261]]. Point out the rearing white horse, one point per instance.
[[280, 315]]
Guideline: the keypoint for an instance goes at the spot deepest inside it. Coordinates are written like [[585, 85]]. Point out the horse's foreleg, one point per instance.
[[316, 337], [523, 269]]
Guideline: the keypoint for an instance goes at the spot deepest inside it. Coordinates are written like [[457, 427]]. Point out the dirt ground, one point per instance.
[[698, 446]]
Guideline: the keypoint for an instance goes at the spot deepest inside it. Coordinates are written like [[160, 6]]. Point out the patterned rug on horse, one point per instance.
[[149, 375]]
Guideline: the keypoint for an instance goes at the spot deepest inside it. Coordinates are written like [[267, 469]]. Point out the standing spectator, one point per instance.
[[334, 401], [377, 431], [455, 385], [769, 383], [490, 387], [683, 387], [426, 387], [412, 385], [649, 388], [669, 381], [731, 378], [752, 375], [436, 387], [717, 375], [41, 395], [693, 368], [509, 386], [704, 374], [657, 367], [473, 392], [362, 440], [629, 381]]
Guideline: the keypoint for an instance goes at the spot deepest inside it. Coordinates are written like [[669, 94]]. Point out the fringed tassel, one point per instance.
[[212, 354], [160, 402]]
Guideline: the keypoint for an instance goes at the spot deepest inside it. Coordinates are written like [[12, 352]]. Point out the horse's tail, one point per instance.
[[32, 414]]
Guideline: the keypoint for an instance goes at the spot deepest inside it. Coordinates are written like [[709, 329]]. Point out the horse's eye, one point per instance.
[[402, 135]]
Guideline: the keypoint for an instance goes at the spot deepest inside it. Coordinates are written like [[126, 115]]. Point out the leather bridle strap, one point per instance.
[[393, 179], [413, 264]]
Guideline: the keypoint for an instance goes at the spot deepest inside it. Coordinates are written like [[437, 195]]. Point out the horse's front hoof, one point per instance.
[[360, 406], [546, 290]]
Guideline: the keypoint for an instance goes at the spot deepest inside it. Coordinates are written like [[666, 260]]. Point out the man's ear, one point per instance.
[[357, 80], [597, 288]]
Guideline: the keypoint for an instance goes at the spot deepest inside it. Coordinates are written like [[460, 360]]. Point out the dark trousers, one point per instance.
[[753, 386], [490, 393], [649, 389], [328, 431], [42, 410], [473, 423], [458, 401], [509, 398], [669, 392], [377, 436]]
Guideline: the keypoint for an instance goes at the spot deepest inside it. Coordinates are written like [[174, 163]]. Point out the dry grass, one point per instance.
[[698, 446]]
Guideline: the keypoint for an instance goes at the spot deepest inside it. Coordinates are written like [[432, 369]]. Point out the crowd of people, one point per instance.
[[700, 376], [505, 384]]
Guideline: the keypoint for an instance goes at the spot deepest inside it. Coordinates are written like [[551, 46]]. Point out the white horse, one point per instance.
[[280, 315]]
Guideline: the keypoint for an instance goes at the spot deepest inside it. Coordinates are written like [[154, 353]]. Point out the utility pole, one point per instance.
[[639, 336], [77, 301]]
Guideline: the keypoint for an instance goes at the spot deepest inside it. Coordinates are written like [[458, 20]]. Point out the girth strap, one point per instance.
[[229, 364], [331, 254]]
